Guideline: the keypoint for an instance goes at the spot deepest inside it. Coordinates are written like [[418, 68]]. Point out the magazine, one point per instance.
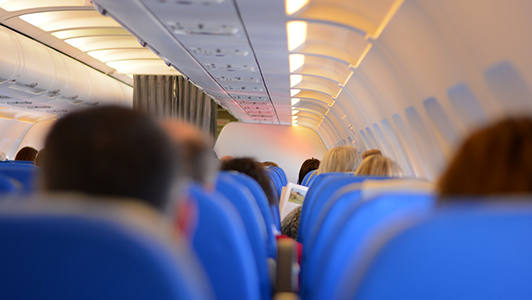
[[292, 196]]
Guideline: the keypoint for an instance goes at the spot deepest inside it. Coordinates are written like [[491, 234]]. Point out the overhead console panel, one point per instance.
[[208, 42]]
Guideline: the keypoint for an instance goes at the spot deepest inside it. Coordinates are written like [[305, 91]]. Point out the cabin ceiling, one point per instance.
[[272, 62]]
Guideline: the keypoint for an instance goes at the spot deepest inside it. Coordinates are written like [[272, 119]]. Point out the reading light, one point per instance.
[[294, 92], [296, 61], [293, 6], [295, 80], [297, 34], [295, 101]]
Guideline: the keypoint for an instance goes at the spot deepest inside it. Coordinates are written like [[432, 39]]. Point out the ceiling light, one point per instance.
[[296, 61], [293, 6], [297, 34], [294, 118], [76, 42], [295, 111], [36, 19], [295, 101], [295, 80], [294, 92]]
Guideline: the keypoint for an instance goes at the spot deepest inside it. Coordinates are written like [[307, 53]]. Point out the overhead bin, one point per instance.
[[45, 75]]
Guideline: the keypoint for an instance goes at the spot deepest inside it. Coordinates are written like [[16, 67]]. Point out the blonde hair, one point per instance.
[[378, 165], [339, 159]]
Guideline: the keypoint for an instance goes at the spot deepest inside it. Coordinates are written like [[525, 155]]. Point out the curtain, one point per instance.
[[164, 96]]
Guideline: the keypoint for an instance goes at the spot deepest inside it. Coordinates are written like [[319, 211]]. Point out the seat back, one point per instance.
[[47, 256], [227, 257], [8, 186], [366, 221], [319, 194], [249, 211], [262, 202], [276, 180], [306, 179], [476, 252], [23, 173]]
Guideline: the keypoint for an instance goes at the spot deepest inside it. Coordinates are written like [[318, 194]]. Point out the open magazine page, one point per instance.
[[292, 196]]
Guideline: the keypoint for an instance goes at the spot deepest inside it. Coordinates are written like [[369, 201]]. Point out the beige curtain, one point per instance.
[[164, 96]]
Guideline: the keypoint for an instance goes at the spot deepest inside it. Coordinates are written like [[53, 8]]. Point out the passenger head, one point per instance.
[[339, 159], [493, 160], [307, 166], [253, 169], [110, 151], [26, 153], [270, 164], [201, 164], [378, 165], [39, 158], [370, 152]]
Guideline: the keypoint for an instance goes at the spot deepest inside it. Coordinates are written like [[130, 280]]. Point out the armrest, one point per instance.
[[287, 280]]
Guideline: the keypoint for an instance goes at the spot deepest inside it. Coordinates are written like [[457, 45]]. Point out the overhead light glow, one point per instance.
[[98, 54], [297, 34], [37, 19], [296, 61], [293, 6], [295, 80], [76, 42], [295, 111], [295, 101], [294, 92], [294, 117]]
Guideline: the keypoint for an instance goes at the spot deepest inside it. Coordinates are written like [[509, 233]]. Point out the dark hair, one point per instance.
[[26, 153], [110, 151], [493, 160], [307, 166], [253, 169], [269, 164]]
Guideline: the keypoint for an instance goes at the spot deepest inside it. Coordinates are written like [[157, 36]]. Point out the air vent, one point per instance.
[[256, 107], [237, 79], [4, 97], [265, 119], [249, 98], [218, 52], [243, 88], [263, 112], [261, 116], [244, 102], [182, 28], [229, 67]]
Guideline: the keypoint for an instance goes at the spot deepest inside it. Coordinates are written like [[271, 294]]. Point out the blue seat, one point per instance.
[[64, 257], [249, 211], [276, 180], [282, 175], [365, 223], [23, 173], [225, 255], [463, 253], [276, 214], [264, 206], [8, 185], [319, 193], [306, 179]]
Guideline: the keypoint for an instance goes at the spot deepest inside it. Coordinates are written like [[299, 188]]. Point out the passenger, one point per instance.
[[39, 158], [201, 165], [114, 152], [253, 169], [339, 159], [370, 152], [494, 160], [2, 156], [269, 164], [26, 154], [307, 166], [378, 165]]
